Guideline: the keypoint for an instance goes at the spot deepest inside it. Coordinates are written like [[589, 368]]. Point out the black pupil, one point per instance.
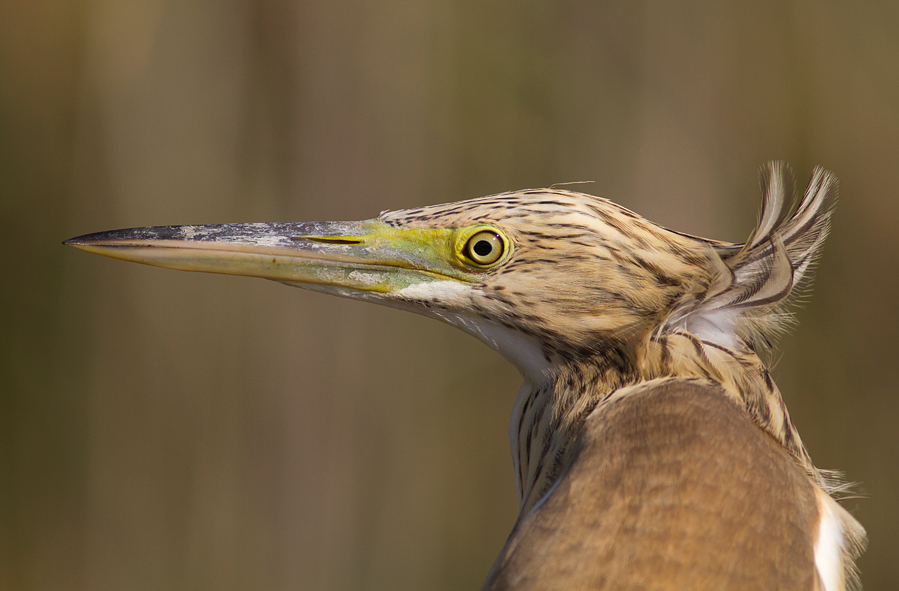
[[483, 247]]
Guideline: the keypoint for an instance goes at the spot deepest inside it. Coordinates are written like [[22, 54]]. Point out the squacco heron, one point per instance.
[[652, 449]]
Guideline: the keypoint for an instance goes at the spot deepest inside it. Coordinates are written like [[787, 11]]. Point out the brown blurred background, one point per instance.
[[163, 430]]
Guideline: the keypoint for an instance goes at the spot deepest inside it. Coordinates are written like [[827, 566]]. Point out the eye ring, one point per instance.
[[485, 247]]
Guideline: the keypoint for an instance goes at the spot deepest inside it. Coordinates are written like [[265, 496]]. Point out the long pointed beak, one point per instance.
[[367, 256]]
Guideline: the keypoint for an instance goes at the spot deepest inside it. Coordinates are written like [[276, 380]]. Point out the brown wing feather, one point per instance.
[[672, 488]]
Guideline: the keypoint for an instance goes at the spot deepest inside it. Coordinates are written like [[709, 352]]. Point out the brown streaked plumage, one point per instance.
[[655, 483], [652, 449]]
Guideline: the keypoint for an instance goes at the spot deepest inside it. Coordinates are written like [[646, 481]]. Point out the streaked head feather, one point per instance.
[[749, 292]]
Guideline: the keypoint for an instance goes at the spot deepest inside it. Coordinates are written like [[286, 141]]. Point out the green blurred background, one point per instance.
[[163, 430]]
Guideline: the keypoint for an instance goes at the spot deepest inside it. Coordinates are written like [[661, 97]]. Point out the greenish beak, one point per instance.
[[368, 256]]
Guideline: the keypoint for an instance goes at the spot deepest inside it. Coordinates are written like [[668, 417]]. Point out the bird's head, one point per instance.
[[533, 274], [540, 275]]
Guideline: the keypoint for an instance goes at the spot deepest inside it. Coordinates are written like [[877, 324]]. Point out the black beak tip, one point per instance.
[[87, 239], [79, 240], [95, 237]]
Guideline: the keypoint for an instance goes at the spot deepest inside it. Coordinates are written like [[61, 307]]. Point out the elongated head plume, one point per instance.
[[744, 299]]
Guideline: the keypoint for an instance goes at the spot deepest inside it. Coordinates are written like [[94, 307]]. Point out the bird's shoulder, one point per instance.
[[671, 487]]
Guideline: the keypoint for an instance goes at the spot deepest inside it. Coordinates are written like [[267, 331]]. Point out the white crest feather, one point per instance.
[[750, 285]]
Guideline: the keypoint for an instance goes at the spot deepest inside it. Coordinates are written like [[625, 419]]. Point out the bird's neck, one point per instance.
[[548, 418]]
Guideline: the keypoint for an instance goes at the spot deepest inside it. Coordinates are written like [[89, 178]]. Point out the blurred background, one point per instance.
[[164, 430]]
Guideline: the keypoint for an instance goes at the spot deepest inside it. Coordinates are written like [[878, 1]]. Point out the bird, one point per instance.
[[652, 450]]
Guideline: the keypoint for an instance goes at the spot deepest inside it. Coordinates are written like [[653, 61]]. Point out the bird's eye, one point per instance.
[[485, 248]]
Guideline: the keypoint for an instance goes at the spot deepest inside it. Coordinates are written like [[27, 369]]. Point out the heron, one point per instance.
[[652, 450]]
